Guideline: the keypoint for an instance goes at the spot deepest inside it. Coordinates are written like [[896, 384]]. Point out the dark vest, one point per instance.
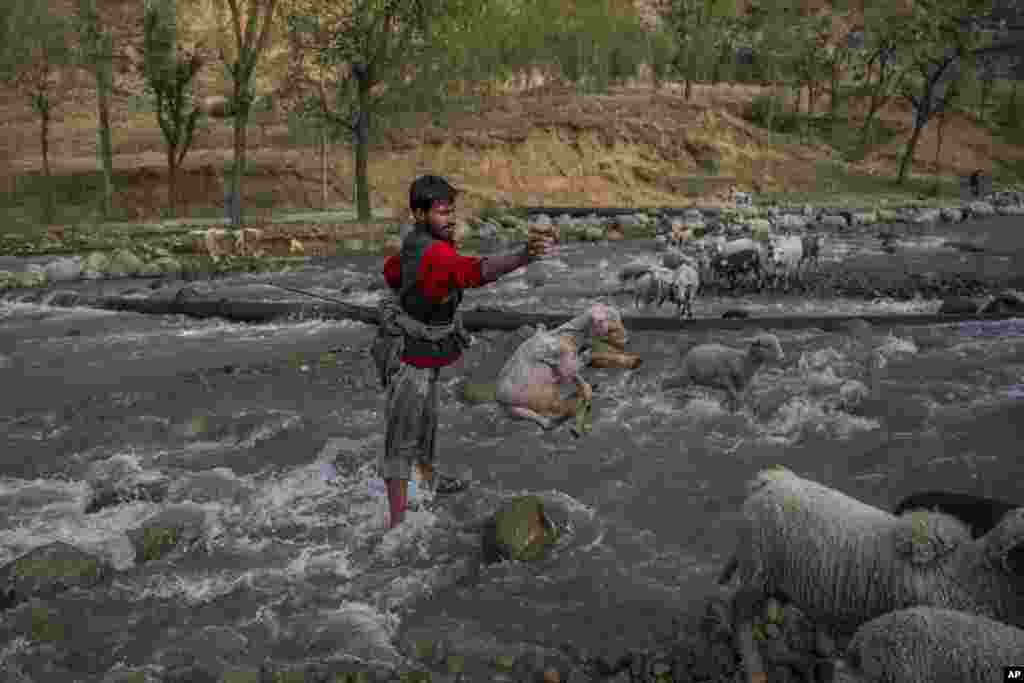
[[418, 306]]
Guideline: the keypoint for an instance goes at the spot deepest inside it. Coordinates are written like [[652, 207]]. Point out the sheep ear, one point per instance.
[[1004, 544]]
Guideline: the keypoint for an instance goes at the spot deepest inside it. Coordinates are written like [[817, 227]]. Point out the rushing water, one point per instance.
[[240, 420]]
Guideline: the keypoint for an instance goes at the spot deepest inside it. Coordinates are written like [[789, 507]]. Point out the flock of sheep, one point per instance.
[[930, 593], [765, 259]]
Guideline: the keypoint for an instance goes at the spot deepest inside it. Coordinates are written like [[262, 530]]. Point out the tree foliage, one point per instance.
[[170, 71]]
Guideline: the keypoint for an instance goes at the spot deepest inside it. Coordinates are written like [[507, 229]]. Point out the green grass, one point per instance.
[[837, 185]]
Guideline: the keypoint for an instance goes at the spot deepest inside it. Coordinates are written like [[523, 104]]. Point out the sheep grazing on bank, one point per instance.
[[530, 384], [843, 562], [727, 368]]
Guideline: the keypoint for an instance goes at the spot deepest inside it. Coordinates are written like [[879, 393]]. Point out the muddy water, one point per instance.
[[239, 419]]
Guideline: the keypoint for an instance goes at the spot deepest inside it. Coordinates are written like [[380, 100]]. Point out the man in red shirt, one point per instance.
[[427, 278]]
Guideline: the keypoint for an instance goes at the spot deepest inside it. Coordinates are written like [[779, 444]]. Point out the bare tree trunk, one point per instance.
[[49, 200], [44, 139], [919, 123], [241, 119], [363, 146], [938, 147], [172, 181], [323, 168], [103, 86]]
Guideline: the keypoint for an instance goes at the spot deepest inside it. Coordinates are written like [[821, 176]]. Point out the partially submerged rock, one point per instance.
[[48, 570], [520, 531], [175, 529]]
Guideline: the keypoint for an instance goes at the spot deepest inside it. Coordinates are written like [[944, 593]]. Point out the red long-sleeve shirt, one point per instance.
[[441, 270]]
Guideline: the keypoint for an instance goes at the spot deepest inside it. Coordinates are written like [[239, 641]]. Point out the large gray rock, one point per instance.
[[958, 305], [1010, 210], [791, 221], [45, 571], [925, 216], [981, 209], [172, 531], [520, 531], [834, 221], [63, 269], [1007, 301], [952, 215]]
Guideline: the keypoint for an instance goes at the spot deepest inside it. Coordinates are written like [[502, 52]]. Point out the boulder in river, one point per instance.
[[63, 269], [520, 531], [175, 529], [48, 570], [958, 305], [1009, 301]]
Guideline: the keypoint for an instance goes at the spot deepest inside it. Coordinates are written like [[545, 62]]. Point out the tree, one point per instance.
[[386, 57], [169, 72], [251, 22], [37, 61], [96, 54], [883, 35], [700, 27], [942, 34]]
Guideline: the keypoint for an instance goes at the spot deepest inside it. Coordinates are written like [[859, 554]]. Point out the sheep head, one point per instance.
[[1004, 545], [766, 347], [602, 319], [925, 537]]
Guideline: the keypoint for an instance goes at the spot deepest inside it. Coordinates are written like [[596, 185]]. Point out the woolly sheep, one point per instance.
[[724, 367], [980, 514], [530, 383], [685, 285], [786, 254], [656, 285], [843, 562], [931, 645], [811, 249]]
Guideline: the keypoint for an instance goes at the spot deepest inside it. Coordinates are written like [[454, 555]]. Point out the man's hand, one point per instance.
[[542, 242]]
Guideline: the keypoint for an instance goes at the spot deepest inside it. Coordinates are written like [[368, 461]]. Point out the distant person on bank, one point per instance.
[[426, 280]]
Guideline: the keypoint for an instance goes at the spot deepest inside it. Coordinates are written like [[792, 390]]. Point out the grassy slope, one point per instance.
[[632, 147]]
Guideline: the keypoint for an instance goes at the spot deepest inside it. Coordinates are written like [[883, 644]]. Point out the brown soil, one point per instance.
[[553, 146]]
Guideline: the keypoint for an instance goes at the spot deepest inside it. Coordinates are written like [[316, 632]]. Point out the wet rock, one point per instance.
[[925, 216], [792, 222], [175, 529], [1010, 210], [63, 269], [980, 209], [48, 570], [735, 314], [124, 263], [865, 217], [951, 215], [661, 243], [835, 222], [958, 305], [194, 673], [1006, 302], [520, 530]]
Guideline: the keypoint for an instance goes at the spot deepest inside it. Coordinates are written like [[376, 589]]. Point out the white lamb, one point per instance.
[[723, 367]]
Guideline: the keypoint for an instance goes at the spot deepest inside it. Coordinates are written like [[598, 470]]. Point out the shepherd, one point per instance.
[[421, 332]]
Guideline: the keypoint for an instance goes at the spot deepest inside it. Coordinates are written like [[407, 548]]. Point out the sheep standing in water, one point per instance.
[[723, 367], [656, 284], [843, 563]]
